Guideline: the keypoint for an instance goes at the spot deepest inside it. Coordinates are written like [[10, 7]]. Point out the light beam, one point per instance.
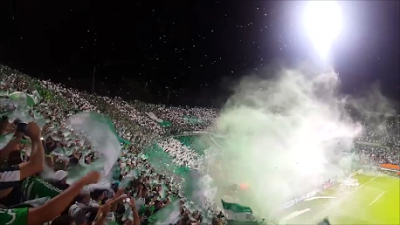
[[323, 24]]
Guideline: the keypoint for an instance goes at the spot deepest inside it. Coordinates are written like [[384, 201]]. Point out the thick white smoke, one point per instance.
[[283, 136]]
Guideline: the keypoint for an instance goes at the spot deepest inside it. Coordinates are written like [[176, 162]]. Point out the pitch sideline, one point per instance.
[[333, 205], [376, 199]]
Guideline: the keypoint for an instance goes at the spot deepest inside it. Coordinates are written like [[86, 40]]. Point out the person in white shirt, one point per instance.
[[79, 209]]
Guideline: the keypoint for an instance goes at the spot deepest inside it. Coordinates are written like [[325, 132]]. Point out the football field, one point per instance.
[[374, 201]]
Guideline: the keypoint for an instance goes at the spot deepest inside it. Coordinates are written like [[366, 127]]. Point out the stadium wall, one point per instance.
[[391, 168]]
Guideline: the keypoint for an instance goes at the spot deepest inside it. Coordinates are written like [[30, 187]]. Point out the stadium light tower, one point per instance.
[[323, 24]]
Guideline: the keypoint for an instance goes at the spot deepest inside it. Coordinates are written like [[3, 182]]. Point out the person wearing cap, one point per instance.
[[60, 180]]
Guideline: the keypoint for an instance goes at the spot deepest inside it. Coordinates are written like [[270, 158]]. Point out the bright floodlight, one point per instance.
[[323, 23]]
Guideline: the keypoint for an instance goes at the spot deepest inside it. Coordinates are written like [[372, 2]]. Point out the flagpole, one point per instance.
[[93, 77], [168, 95]]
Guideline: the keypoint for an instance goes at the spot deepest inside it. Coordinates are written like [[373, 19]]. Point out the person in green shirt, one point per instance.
[[34, 187], [51, 209], [14, 216]]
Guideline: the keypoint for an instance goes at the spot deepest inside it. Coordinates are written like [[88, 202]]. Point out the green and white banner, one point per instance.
[[170, 214], [236, 212]]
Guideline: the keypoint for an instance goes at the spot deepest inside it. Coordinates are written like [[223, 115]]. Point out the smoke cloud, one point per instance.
[[283, 136]]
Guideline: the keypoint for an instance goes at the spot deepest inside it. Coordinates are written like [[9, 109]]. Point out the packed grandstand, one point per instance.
[[159, 147]]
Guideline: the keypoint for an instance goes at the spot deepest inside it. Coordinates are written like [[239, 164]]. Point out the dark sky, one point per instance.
[[149, 50]]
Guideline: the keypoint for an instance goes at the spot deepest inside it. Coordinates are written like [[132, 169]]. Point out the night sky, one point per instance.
[[186, 52]]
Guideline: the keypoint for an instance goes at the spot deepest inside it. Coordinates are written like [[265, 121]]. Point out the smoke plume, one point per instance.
[[283, 136]]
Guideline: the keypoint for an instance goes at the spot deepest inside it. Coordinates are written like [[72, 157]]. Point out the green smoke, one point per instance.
[[282, 135]]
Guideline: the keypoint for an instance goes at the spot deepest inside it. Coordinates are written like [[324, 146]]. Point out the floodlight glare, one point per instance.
[[323, 23]]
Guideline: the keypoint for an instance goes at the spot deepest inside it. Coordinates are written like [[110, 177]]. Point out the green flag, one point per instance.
[[110, 124], [236, 212], [170, 214], [23, 99]]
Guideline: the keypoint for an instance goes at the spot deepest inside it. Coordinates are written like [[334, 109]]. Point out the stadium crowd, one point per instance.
[[380, 142], [29, 197], [149, 191]]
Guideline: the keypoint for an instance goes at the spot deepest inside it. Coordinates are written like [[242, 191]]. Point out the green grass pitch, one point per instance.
[[375, 201]]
